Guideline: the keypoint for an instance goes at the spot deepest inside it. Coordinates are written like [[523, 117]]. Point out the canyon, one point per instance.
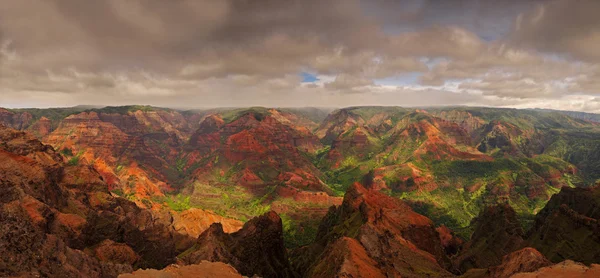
[[352, 192]]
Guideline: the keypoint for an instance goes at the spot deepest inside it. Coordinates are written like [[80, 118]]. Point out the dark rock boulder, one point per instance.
[[256, 249], [497, 233]]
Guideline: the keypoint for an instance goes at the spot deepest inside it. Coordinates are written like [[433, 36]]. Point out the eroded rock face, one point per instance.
[[568, 227], [203, 269], [256, 249], [51, 213], [385, 232], [133, 151], [497, 233]]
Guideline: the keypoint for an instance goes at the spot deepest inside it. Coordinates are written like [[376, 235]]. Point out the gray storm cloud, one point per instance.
[[250, 52]]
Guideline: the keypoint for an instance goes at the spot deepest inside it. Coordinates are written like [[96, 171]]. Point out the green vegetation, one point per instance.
[[228, 200], [469, 170], [66, 152], [73, 161], [299, 232], [340, 179], [178, 202], [461, 187]]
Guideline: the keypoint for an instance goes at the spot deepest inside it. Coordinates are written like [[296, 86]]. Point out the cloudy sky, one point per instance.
[[330, 53]]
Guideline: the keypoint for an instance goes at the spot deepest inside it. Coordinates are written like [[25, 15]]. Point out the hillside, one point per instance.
[[446, 163]]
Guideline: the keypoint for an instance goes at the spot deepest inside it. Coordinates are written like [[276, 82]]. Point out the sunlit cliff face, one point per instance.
[[333, 53]]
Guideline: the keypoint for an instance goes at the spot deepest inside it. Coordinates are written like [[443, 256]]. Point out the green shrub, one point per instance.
[[66, 152], [73, 161]]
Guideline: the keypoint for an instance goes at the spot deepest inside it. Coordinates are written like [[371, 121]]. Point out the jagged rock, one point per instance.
[[393, 239], [256, 249]]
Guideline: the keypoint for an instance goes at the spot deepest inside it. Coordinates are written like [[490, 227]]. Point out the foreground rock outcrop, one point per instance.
[[373, 235], [256, 249], [59, 220]]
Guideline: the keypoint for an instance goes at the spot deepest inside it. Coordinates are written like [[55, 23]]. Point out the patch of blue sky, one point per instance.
[[308, 77]]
